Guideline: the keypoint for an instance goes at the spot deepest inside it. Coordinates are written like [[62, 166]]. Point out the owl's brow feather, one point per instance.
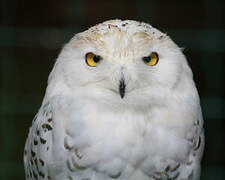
[[99, 41]]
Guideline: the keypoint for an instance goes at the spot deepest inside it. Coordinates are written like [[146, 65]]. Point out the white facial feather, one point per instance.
[[122, 119], [122, 45]]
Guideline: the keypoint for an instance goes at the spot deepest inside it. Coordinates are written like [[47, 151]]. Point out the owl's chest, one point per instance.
[[112, 139], [123, 127], [102, 133]]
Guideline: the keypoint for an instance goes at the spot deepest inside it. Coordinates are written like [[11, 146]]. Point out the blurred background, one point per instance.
[[33, 32]]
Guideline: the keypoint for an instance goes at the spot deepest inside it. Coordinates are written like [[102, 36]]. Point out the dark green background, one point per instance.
[[33, 32]]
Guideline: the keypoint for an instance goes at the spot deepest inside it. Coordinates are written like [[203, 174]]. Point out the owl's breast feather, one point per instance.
[[106, 138]]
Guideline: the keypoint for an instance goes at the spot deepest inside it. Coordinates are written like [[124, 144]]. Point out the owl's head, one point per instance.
[[122, 61]]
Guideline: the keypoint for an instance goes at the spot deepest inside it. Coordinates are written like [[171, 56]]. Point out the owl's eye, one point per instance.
[[92, 59], [152, 59]]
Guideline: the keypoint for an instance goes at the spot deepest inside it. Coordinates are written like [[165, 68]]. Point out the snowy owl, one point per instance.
[[120, 104]]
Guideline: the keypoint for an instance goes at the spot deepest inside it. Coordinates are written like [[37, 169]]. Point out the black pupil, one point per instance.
[[147, 59], [96, 58]]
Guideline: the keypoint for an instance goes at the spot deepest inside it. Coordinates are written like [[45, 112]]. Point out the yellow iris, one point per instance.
[[92, 59], [152, 59]]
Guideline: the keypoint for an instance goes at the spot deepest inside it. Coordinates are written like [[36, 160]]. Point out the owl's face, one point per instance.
[[124, 61]]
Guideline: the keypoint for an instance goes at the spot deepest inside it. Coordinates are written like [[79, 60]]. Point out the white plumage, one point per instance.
[[120, 104]]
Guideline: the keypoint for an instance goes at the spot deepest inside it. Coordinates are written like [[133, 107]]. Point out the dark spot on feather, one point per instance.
[[50, 120], [35, 142], [41, 174], [111, 25], [42, 162], [115, 176], [189, 163], [38, 132], [175, 168], [77, 153], [199, 143], [196, 123], [43, 141], [77, 165], [33, 153], [34, 119], [66, 146], [167, 168], [47, 126], [160, 37]]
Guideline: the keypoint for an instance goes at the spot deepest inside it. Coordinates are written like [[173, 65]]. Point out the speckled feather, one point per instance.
[[84, 130]]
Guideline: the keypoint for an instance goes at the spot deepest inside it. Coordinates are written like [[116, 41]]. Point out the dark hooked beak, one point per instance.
[[122, 87]]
